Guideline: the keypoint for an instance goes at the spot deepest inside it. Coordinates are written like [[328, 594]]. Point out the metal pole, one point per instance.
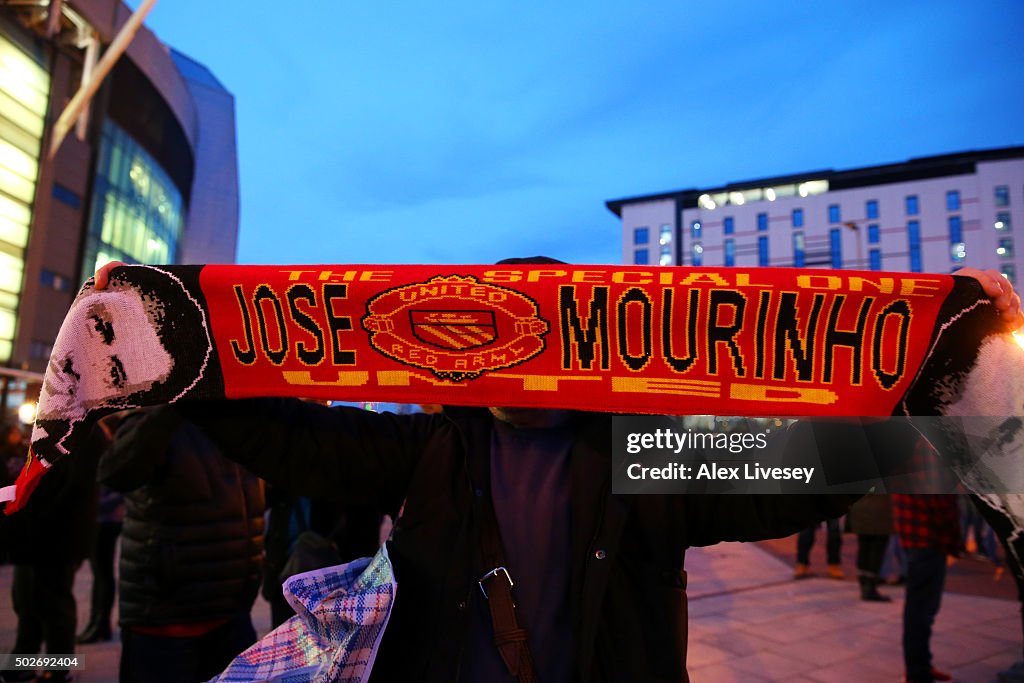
[[88, 88]]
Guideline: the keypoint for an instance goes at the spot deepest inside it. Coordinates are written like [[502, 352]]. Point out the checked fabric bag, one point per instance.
[[341, 615]]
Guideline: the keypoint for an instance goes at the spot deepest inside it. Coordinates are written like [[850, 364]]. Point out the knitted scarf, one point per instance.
[[766, 341]]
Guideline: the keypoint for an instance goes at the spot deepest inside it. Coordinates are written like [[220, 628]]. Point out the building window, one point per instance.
[[641, 257], [666, 234], [762, 250], [1002, 195], [912, 207], [641, 235], [137, 210], [871, 208], [873, 235], [1009, 271], [914, 243], [666, 256], [875, 259], [762, 222], [799, 255], [730, 253], [833, 213], [66, 196], [798, 218], [728, 225], [953, 200], [1005, 247], [696, 229], [40, 349], [956, 231], [1003, 223], [24, 95], [54, 281], [698, 255], [835, 243]]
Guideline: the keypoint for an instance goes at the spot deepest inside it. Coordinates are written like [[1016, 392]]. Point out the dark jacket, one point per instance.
[[58, 524], [628, 600], [192, 541]]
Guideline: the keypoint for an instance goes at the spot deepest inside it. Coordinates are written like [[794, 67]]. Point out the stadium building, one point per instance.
[[148, 173]]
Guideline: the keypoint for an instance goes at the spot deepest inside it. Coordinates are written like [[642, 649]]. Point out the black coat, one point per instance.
[[628, 599], [192, 541]]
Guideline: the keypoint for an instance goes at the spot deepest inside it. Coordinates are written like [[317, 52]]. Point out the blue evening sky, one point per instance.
[[464, 132]]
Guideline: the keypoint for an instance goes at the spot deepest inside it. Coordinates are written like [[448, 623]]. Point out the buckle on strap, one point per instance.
[[491, 574]]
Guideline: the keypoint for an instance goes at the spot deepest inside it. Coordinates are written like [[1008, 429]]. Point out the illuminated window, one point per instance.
[[1009, 271], [696, 229], [665, 258], [24, 94], [698, 255], [799, 255], [1003, 223], [1004, 247], [137, 213], [666, 234]]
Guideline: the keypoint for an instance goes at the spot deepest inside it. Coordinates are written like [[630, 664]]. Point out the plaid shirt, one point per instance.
[[927, 520]]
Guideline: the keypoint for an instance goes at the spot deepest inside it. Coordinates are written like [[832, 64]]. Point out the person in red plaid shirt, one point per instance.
[[928, 526]]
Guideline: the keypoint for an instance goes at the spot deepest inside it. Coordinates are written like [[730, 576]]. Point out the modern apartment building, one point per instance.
[[149, 175], [932, 214]]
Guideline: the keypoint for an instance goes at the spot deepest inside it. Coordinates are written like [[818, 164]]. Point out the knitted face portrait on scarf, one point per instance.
[[111, 354]]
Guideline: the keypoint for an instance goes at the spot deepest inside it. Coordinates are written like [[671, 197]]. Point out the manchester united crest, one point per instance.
[[455, 326]]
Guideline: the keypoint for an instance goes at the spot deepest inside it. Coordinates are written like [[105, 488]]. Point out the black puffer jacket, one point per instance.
[[628, 598], [192, 542]]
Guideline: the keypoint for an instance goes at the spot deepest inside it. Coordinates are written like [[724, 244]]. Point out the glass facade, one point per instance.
[[137, 212], [24, 94]]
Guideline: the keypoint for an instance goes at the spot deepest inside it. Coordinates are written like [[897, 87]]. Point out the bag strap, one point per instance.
[[496, 583]]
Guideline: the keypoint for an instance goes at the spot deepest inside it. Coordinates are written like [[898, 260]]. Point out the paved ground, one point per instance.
[[750, 622]]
